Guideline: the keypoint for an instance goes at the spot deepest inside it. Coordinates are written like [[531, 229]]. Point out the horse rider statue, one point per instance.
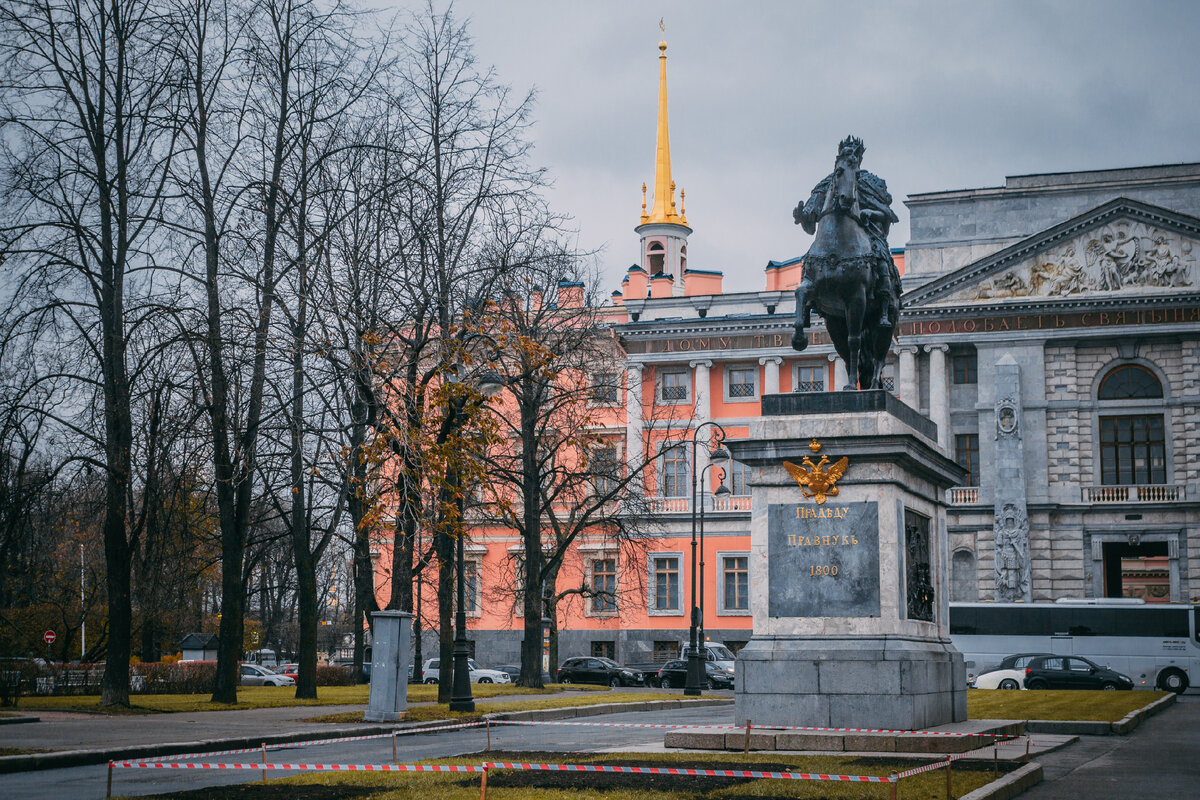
[[848, 275]]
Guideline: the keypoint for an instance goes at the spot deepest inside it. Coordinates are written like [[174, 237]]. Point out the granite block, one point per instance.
[[803, 740], [759, 740], [790, 677], [869, 743], [696, 740], [860, 677]]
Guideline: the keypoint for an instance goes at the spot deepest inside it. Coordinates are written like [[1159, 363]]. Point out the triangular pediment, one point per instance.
[[1123, 248]]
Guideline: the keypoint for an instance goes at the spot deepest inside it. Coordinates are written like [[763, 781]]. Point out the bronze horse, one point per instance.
[[848, 273]]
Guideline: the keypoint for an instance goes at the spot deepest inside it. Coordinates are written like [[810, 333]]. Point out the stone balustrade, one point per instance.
[[1148, 493]]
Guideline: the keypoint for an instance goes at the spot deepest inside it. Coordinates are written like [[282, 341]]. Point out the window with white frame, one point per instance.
[[810, 377], [606, 469], [675, 386], [604, 585], [676, 476], [605, 387], [735, 582], [665, 581], [741, 382], [738, 477], [471, 587]]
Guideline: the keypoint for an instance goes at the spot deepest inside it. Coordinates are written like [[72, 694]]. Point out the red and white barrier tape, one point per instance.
[[675, 771], [936, 765], [315, 742], [298, 767], [742, 727], [710, 773]]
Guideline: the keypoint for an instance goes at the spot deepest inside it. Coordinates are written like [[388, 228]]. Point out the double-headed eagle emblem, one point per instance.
[[816, 477]]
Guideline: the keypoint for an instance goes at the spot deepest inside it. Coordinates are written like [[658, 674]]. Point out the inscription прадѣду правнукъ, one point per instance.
[[823, 561]]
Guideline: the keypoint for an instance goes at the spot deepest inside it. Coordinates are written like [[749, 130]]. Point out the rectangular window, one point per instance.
[[739, 478], [1132, 450], [736, 580], [675, 386], [966, 453], [605, 387], [888, 376], [471, 586], [606, 469], [666, 583], [664, 651], [965, 367], [604, 650], [675, 473], [604, 585], [741, 383], [810, 378]]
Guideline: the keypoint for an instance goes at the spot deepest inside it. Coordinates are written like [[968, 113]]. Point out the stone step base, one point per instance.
[[724, 739]]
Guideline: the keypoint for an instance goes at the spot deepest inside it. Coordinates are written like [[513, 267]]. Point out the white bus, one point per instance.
[[1158, 645]]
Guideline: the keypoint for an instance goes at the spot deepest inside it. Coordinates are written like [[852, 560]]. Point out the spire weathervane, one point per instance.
[[663, 207]]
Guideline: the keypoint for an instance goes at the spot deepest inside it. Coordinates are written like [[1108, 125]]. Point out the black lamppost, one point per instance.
[[461, 698], [718, 457], [722, 491]]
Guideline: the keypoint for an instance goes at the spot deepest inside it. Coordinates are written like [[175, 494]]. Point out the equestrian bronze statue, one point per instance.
[[849, 276]]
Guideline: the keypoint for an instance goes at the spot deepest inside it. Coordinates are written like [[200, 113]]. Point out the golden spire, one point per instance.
[[663, 209]]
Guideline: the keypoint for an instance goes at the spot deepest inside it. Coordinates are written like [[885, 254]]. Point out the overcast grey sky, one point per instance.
[[947, 95]]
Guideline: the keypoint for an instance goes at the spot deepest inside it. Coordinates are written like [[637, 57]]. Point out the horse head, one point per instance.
[[842, 197]]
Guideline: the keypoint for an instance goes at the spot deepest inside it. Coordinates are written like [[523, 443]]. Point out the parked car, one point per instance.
[[674, 675], [996, 678], [714, 652], [349, 663], [598, 670], [649, 672], [1072, 672], [431, 671], [254, 675], [291, 670]]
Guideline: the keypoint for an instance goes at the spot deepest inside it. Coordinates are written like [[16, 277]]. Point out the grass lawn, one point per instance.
[[1048, 704], [516, 785], [440, 711], [258, 697]]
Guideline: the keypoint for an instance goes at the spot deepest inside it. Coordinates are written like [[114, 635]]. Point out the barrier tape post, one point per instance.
[[1027, 749], [489, 741], [110, 769], [483, 784], [264, 760], [995, 761], [746, 744], [949, 796], [894, 786], [393, 747]]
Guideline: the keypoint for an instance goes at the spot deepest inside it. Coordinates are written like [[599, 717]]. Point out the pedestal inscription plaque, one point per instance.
[[823, 560]]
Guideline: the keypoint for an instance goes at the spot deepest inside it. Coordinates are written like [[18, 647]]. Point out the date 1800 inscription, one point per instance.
[[823, 560]]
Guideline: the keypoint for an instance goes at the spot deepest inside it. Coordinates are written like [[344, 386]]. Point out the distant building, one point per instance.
[[198, 647]]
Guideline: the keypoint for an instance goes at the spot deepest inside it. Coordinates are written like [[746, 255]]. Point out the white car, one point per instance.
[[254, 675], [998, 678], [431, 670]]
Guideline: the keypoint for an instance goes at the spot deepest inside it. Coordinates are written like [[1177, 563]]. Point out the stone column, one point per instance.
[[633, 415], [1010, 517], [939, 393], [703, 413], [907, 384], [771, 380], [840, 378]]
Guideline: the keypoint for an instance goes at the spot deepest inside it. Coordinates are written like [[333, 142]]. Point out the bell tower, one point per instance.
[[663, 228]]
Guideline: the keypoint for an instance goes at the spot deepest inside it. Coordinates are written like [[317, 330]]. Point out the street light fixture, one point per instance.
[[719, 456], [721, 491]]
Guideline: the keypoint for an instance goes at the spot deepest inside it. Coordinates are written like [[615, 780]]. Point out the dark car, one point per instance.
[[1072, 672], [598, 670], [673, 675], [649, 672]]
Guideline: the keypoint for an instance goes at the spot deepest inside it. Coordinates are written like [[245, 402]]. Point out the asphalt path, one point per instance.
[[88, 783], [1160, 759]]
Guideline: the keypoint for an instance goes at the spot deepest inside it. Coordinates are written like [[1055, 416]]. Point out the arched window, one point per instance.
[[1133, 447], [656, 256], [1130, 382]]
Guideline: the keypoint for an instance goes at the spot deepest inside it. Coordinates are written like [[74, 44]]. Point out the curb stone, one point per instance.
[[1131, 720], [18, 720], [77, 758], [1010, 785], [1085, 727]]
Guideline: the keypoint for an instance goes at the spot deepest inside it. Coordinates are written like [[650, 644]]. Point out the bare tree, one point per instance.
[[87, 85]]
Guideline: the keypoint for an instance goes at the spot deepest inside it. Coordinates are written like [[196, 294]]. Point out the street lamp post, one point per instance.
[[461, 698], [695, 666], [722, 491]]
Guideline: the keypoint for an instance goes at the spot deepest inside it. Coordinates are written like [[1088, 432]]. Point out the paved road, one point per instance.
[[1161, 759], [87, 783]]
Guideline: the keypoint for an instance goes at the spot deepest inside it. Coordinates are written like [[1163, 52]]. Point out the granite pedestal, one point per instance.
[[849, 596], [388, 696]]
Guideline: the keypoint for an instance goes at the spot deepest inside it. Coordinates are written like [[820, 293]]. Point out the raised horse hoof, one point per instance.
[[799, 340]]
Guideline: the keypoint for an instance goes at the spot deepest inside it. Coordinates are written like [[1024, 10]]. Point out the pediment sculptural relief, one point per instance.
[[1119, 256]]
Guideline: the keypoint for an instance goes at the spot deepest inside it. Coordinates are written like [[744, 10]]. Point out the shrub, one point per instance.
[[184, 677], [333, 676]]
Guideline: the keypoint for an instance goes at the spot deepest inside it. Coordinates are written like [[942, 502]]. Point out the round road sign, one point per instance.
[[49, 637]]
